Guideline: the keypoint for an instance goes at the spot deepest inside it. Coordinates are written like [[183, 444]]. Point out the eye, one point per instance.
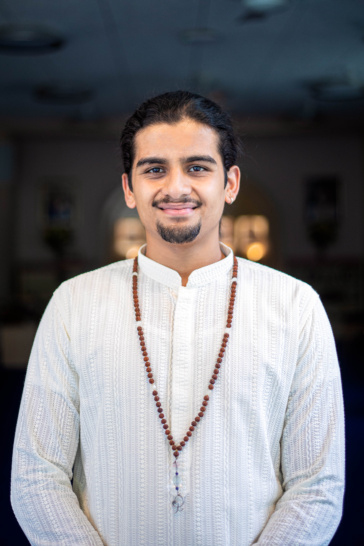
[[197, 169], [155, 170]]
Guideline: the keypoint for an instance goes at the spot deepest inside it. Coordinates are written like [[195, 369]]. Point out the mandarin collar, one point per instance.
[[199, 277]]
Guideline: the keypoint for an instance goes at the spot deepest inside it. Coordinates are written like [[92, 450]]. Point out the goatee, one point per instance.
[[178, 235]]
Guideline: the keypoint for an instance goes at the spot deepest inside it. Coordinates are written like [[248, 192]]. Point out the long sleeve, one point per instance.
[[312, 444], [46, 442]]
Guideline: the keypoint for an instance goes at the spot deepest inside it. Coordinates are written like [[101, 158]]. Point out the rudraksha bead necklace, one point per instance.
[[177, 448]]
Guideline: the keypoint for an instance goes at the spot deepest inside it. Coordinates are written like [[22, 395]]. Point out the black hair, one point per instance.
[[173, 107]]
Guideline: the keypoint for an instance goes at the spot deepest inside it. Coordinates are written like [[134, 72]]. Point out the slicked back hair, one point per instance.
[[171, 108]]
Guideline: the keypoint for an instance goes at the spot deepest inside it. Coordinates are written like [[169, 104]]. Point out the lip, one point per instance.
[[177, 209]]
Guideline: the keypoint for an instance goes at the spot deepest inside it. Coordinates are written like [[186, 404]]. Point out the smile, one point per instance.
[[177, 209], [183, 209]]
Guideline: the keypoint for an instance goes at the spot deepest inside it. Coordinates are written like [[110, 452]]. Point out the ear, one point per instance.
[[233, 184], [128, 194]]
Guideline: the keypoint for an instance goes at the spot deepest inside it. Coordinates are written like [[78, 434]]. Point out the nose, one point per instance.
[[176, 184]]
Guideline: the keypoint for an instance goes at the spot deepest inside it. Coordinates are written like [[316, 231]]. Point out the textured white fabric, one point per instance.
[[265, 465]]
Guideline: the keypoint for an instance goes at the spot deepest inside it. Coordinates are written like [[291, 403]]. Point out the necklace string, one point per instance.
[[176, 447]]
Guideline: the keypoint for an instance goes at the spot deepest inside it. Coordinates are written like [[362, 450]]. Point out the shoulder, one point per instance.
[[100, 284], [271, 285]]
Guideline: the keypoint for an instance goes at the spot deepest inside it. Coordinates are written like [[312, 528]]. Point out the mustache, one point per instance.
[[181, 200]]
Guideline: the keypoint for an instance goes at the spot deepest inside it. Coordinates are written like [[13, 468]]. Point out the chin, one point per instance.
[[179, 234]]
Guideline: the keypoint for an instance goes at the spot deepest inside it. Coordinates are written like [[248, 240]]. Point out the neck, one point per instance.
[[184, 258]]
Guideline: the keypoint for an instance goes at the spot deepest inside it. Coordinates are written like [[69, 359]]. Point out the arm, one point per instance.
[[46, 442], [312, 444]]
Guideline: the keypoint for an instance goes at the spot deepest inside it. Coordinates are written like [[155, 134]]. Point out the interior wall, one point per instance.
[[280, 165], [90, 167]]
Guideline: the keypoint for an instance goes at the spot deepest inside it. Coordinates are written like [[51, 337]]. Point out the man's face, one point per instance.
[[178, 182]]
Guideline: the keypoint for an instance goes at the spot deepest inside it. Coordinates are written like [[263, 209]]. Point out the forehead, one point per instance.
[[182, 139]]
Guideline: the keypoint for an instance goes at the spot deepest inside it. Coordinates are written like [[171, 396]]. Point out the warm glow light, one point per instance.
[[128, 237], [256, 251], [132, 252]]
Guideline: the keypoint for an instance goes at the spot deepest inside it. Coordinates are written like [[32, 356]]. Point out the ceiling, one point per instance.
[[116, 53]]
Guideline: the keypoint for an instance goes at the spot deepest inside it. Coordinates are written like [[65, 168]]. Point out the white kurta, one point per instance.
[[264, 466]]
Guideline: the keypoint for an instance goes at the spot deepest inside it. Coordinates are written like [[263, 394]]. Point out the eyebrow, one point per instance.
[[162, 161], [151, 161]]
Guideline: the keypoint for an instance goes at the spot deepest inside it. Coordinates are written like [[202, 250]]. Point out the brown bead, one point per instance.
[[212, 381], [204, 403], [226, 335], [183, 443], [192, 428], [164, 421], [156, 397], [158, 404], [150, 375], [146, 359], [151, 381], [197, 418], [165, 427], [170, 437], [160, 411], [144, 353], [211, 387], [155, 393], [141, 338], [194, 424], [219, 359], [171, 442], [221, 354], [149, 369], [186, 438], [216, 371], [140, 329], [179, 448], [218, 365], [206, 397], [189, 433], [201, 414], [176, 454], [223, 344], [214, 376], [202, 408], [174, 447]]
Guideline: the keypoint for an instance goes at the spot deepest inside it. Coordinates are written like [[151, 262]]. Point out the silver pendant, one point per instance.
[[178, 503]]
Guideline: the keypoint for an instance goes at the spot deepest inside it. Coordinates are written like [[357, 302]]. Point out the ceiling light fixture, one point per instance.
[[260, 9], [28, 39]]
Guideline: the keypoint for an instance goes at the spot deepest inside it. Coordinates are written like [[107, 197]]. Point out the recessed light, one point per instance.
[[261, 9], [265, 5], [28, 39]]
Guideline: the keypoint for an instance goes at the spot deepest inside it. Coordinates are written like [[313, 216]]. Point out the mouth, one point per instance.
[[177, 208]]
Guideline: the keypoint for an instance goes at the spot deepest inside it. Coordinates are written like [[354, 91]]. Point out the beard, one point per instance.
[[179, 235]]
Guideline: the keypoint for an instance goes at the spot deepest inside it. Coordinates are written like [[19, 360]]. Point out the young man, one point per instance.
[[195, 399]]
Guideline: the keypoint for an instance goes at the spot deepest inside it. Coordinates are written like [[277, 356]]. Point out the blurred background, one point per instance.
[[291, 73]]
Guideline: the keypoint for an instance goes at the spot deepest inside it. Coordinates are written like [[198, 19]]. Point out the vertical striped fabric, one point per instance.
[[264, 466]]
